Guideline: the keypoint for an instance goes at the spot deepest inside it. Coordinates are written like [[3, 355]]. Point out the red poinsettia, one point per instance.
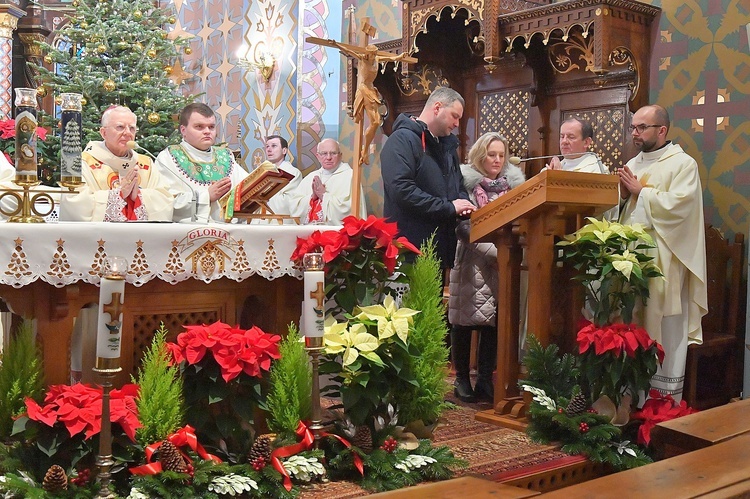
[[381, 235], [360, 258], [617, 338], [235, 350], [656, 409], [617, 358], [79, 408]]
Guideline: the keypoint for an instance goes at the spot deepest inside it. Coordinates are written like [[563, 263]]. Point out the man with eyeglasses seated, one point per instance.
[[199, 172], [661, 190], [325, 196], [121, 185]]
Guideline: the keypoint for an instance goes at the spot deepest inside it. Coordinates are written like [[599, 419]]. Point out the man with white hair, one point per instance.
[[121, 184], [325, 195]]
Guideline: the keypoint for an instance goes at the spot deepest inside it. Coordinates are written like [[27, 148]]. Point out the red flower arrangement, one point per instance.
[[360, 258], [617, 338], [79, 409], [616, 358], [656, 409], [234, 350], [222, 371]]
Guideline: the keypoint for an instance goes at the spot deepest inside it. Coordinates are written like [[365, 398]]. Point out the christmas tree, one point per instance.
[[119, 52]]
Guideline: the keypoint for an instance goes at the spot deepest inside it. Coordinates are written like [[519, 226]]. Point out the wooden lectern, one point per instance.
[[546, 207]]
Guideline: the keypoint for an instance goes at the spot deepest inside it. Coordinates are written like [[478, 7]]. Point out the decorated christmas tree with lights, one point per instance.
[[120, 52]]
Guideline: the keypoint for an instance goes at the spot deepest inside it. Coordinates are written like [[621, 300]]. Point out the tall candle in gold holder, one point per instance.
[[313, 317], [70, 140], [111, 300], [26, 123]]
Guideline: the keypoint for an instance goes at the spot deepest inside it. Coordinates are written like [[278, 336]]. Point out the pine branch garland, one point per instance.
[[548, 371]]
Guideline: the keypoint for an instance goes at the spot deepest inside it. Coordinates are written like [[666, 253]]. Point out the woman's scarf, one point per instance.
[[489, 189]]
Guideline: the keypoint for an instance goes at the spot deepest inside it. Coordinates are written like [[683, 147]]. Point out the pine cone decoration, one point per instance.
[[55, 479], [171, 459], [261, 448], [577, 405], [363, 438]]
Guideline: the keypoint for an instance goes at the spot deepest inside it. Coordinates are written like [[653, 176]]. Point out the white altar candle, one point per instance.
[[313, 312], [111, 299]]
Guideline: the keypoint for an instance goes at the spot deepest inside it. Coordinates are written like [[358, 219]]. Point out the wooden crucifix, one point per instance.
[[367, 99]]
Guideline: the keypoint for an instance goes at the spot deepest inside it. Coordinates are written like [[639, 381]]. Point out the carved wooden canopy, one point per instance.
[[601, 33]]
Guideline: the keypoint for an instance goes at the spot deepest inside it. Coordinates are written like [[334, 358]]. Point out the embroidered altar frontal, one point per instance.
[[177, 274]]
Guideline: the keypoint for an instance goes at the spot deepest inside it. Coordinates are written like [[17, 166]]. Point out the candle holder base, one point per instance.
[[104, 460], [313, 347], [26, 210], [71, 183]]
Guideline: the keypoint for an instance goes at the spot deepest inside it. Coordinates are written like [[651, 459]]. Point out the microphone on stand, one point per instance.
[[132, 144], [515, 160]]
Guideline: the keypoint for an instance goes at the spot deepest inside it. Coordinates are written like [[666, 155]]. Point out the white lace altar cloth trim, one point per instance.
[[64, 253]]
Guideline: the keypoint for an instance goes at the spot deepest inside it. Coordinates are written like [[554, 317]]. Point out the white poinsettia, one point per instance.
[[350, 341], [624, 263], [390, 319]]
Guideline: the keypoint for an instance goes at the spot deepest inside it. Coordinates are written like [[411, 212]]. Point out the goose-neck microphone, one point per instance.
[[515, 160]]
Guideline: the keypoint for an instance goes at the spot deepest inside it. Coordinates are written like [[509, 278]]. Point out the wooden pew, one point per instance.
[[721, 470], [713, 373], [702, 429], [466, 487]]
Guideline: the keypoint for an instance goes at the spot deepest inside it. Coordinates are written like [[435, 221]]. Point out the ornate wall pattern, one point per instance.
[[701, 74], [215, 28], [508, 114], [270, 107], [310, 84], [6, 93]]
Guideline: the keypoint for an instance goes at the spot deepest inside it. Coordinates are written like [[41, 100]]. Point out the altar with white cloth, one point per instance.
[[178, 274]]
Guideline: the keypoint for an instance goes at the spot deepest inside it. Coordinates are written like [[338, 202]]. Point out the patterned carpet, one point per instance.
[[489, 449]]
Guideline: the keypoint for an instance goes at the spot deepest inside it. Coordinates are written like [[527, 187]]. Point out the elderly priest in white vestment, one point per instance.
[[661, 190], [325, 195], [121, 185]]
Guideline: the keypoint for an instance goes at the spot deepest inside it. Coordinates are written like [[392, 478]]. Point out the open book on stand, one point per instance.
[[249, 198]]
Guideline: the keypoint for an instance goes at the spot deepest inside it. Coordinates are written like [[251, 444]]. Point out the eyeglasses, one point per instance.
[[121, 128], [328, 154], [642, 128]]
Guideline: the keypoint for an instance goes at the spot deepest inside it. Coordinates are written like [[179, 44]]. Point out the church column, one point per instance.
[[9, 16]]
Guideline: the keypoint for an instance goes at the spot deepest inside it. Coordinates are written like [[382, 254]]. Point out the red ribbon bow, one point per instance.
[[185, 436], [305, 444]]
